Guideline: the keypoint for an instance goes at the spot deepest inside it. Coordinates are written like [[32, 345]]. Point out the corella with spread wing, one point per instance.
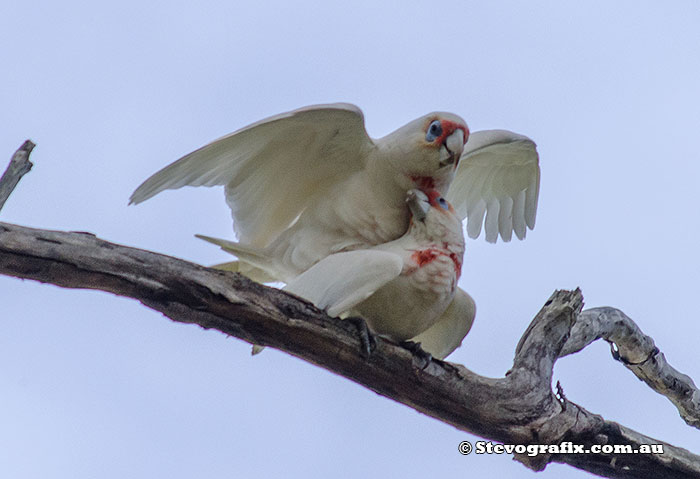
[[311, 182], [404, 289]]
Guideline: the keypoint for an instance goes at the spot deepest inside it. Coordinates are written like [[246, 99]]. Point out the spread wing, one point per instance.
[[498, 176], [272, 169], [340, 281], [447, 334]]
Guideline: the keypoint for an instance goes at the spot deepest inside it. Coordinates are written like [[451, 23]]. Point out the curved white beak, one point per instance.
[[418, 203], [451, 149]]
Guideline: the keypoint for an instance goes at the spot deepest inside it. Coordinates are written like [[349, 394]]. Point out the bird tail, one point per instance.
[[252, 262]]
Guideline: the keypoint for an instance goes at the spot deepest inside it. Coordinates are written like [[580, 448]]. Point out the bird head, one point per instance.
[[427, 147], [429, 209]]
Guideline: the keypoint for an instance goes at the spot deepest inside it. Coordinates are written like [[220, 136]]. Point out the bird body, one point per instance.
[[448, 332]]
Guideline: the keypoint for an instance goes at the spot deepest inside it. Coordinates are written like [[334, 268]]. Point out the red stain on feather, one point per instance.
[[423, 182], [449, 127], [425, 256], [458, 264], [433, 197]]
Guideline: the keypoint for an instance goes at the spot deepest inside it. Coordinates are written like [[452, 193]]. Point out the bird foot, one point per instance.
[[367, 339], [421, 355]]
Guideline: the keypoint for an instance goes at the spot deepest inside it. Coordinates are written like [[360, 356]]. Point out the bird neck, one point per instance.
[[388, 185]]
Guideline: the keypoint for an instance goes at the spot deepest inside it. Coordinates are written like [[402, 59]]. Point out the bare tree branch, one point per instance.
[[639, 354], [18, 167], [519, 408]]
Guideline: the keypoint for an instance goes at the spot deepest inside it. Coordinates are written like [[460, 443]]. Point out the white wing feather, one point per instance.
[[274, 168], [447, 334], [341, 281], [498, 175]]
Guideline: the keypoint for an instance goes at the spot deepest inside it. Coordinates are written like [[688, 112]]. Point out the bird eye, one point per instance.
[[443, 202], [434, 131]]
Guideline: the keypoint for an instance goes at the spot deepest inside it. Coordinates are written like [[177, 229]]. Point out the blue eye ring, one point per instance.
[[434, 131], [443, 203]]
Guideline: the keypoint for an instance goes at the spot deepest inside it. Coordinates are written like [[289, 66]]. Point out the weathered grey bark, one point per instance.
[[18, 167], [517, 409], [639, 354]]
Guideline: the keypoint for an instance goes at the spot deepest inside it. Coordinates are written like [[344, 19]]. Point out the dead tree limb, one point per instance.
[[519, 408], [639, 354], [18, 167]]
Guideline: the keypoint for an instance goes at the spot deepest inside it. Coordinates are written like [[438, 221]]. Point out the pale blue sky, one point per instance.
[[97, 386]]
